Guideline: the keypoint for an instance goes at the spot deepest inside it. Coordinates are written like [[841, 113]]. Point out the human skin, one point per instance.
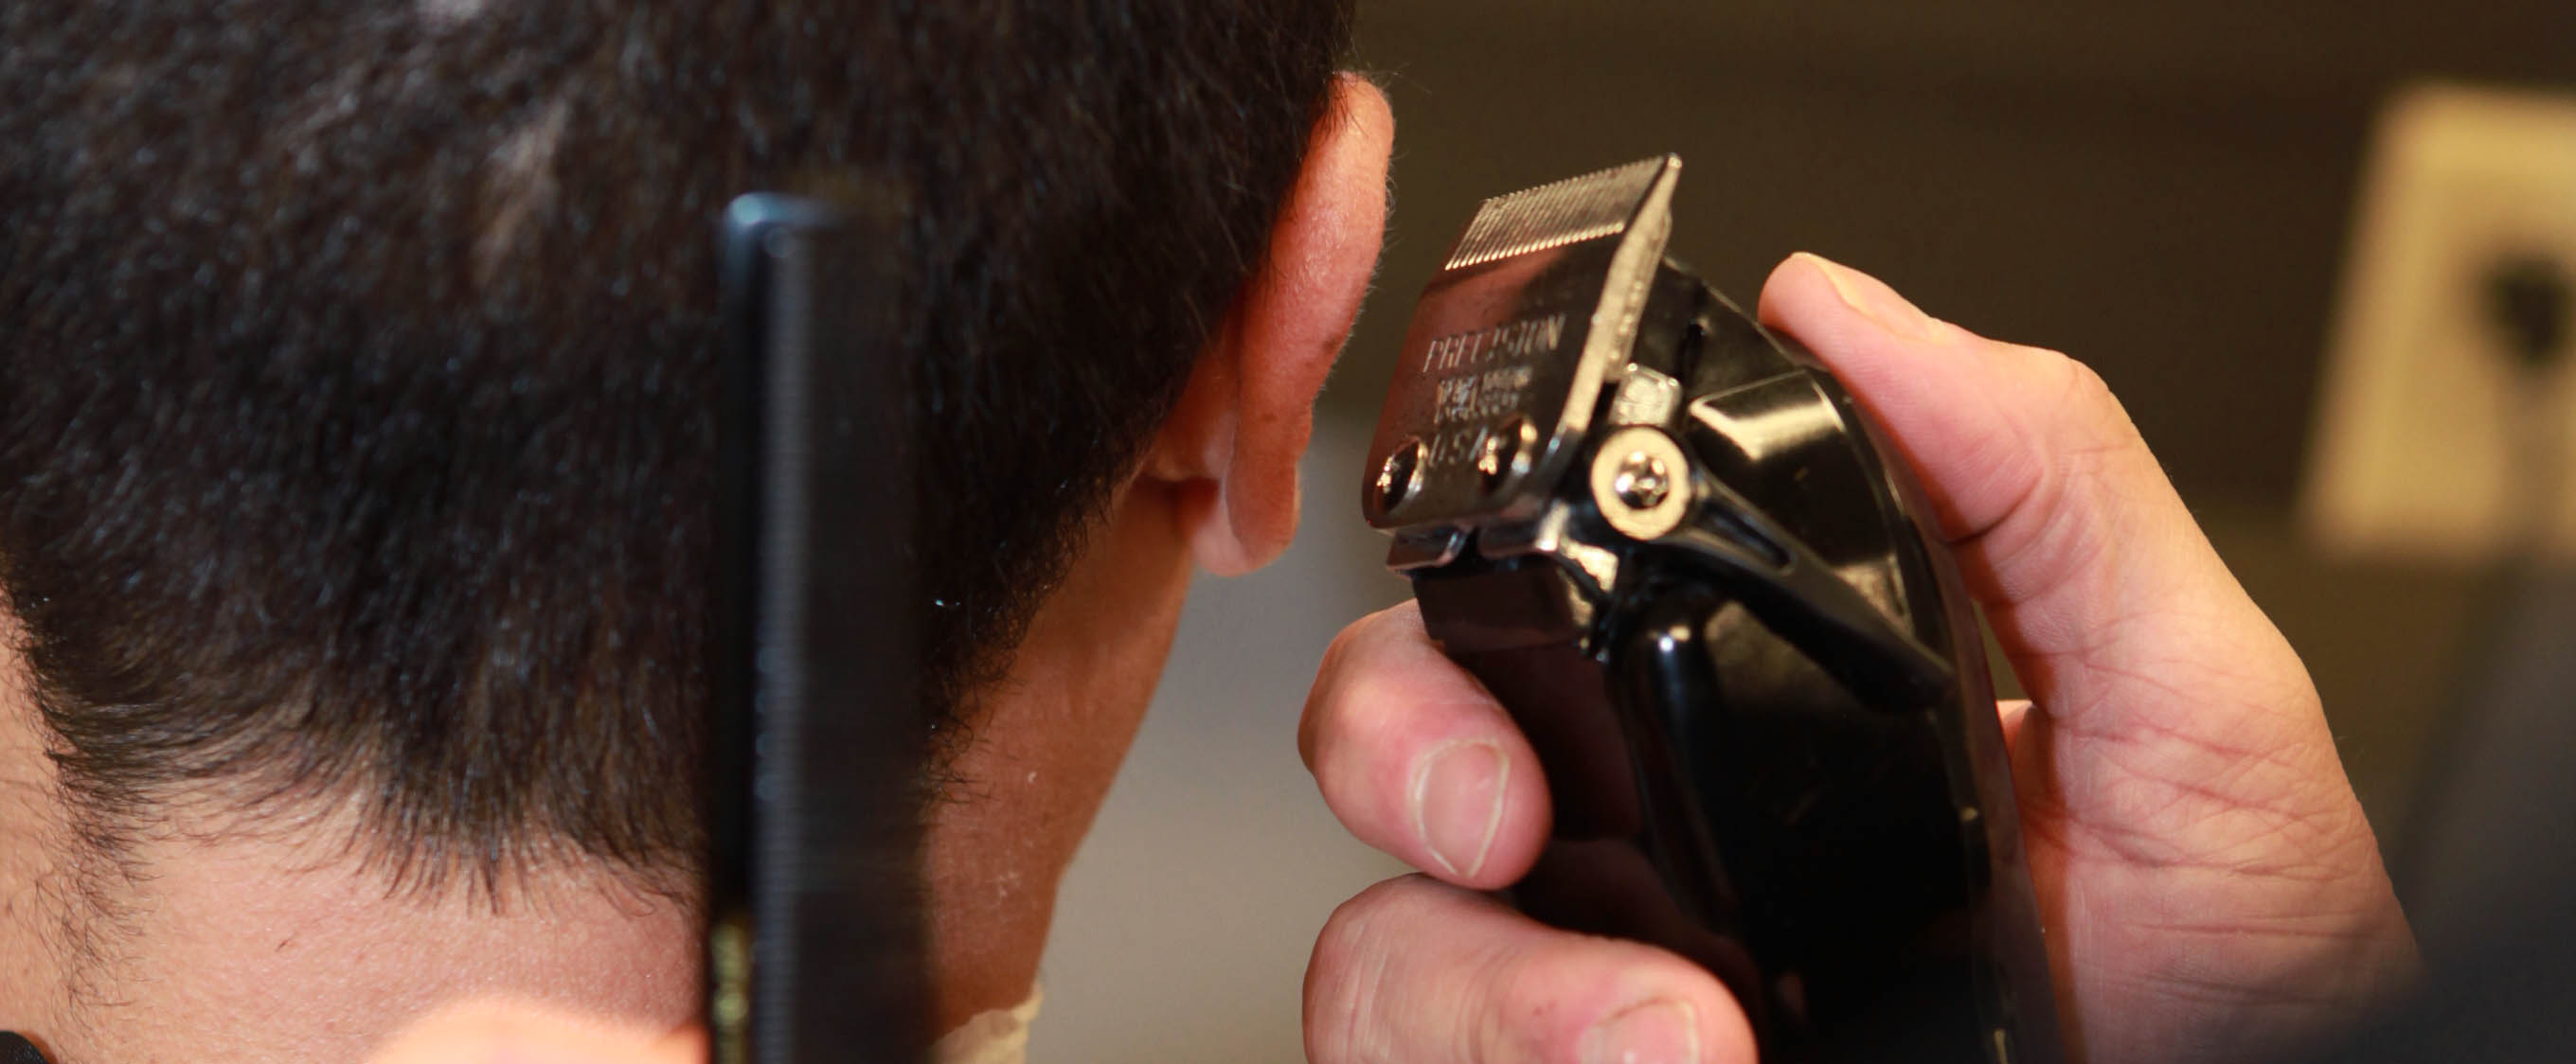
[[2207, 880], [2206, 875], [272, 944]]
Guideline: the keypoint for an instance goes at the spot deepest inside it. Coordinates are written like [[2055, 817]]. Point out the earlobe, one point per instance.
[[1232, 445]]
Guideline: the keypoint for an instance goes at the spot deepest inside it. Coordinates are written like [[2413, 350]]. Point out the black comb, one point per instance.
[[815, 948]]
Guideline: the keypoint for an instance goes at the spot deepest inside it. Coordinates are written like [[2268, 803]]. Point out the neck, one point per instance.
[[281, 944], [203, 941], [1047, 743]]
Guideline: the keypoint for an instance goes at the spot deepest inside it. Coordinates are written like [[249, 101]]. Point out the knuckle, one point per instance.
[[2088, 393], [2079, 419], [1341, 684], [2084, 398], [1346, 977], [1348, 680], [1536, 1010], [1552, 1007], [1310, 726], [1346, 931], [1346, 643]]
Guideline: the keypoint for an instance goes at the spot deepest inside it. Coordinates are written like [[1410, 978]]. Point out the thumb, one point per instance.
[[2118, 616]]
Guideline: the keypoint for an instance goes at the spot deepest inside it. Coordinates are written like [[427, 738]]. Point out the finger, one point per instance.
[[1418, 760], [2101, 586], [1423, 973], [518, 1033]]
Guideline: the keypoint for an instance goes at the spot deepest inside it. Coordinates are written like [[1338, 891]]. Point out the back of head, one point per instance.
[[356, 433]]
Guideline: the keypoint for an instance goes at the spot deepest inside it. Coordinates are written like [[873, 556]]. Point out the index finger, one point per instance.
[[1417, 759], [2101, 586]]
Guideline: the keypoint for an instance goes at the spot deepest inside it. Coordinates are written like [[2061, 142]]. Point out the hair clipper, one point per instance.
[[1677, 552]]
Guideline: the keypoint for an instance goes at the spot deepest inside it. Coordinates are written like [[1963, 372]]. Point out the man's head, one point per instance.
[[355, 430]]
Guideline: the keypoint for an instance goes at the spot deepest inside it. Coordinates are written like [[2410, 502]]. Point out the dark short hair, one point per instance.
[[355, 413]]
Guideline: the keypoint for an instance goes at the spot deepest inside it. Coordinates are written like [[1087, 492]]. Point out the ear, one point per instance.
[[1231, 446]]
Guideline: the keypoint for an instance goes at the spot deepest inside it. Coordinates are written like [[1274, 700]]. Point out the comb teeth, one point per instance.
[[1557, 213]]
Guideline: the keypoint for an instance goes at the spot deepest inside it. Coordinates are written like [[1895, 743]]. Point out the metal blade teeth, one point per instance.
[[1557, 213]]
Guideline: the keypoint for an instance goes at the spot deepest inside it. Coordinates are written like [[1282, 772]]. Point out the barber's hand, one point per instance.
[[515, 1033], [2206, 876]]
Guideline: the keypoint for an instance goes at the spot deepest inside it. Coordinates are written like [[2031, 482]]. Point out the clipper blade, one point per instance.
[[1536, 307], [1598, 204]]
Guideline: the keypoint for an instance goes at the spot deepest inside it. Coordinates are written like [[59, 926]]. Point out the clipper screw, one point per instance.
[[1396, 478], [1642, 481], [1637, 482], [1498, 454]]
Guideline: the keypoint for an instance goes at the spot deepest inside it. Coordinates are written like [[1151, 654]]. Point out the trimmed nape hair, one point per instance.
[[357, 371]]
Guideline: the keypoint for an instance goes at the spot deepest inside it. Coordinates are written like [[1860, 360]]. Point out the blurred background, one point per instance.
[[2320, 248]]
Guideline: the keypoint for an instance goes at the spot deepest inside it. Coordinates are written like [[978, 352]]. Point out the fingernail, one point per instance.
[[1458, 802], [1874, 299], [1664, 1032]]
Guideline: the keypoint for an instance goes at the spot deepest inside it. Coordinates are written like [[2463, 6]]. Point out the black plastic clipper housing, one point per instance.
[[1675, 549]]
